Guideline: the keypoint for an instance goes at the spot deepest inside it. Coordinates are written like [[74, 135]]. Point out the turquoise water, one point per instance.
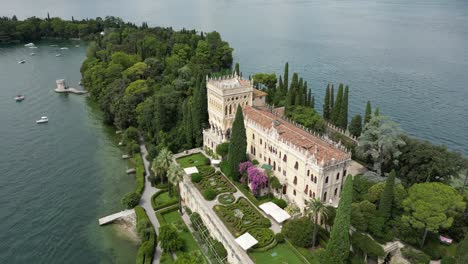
[[408, 57], [56, 179]]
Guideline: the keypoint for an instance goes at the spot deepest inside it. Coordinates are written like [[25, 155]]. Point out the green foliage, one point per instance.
[[130, 200], [139, 175], [431, 206], [264, 236], [219, 248], [355, 127], [415, 257], [169, 238], [255, 162], [461, 256], [342, 120], [212, 183], [364, 243], [130, 134], [448, 260], [237, 145], [209, 194], [161, 199], [222, 149], [335, 115], [280, 202], [307, 117], [196, 177], [226, 198], [368, 114], [299, 231], [190, 258], [361, 187], [337, 250], [279, 237], [386, 200], [326, 104], [147, 235]]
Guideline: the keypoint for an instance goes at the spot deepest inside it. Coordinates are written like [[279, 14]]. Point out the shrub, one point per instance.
[[366, 244], [148, 237], [255, 162], [219, 248], [280, 202], [140, 175], [279, 237], [448, 260], [207, 161], [169, 238], [196, 177], [130, 200], [222, 149], [224, 166], [209, 194], [161, 186], [131, 134], [299, 231], [434, 249], [264, 236], [415, 257]]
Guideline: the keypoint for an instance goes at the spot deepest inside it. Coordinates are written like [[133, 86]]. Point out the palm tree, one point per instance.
[[314, 208], [175, 175], [162, 162]]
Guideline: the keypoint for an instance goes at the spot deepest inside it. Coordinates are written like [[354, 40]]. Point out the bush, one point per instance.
[[169, 238], [161, 186], [209, 194], [222, 149], [130, 200], [147, 235], [264, 236], [448, 260], [366, 244], [299, 231], [279, 238], [280, 202], [131, 134], [415, 257], [255, 162], [434, 249], [196, 177], [219, 248], [207, 161], [224, 166], [139, 175]]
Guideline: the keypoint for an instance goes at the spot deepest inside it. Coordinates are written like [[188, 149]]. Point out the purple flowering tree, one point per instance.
[[257, 179], [243, 167]]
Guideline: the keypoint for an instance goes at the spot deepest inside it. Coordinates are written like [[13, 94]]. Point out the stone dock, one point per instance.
[[63, 88]]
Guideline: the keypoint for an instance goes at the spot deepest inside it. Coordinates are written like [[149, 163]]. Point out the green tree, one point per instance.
[[337, 250], [175, 175], [431, 206], [188, 124], [198, 115], [355, 127], [314, 208], [286, 78], [386, 200], [343, 115], [223, 149], [326, 104], [376, 112], [307, 117], [169, 238], [161, 163], [190, 258], [338, 105], [368, 115], [237, 69], [130, 200], [461, 256], [299, 231], [237, 145]]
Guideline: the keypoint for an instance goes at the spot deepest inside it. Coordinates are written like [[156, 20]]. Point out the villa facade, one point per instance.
[[306, 164]]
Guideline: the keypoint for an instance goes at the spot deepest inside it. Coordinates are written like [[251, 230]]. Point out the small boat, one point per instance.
[[58, 55], [33, 47], [21, 61], [32, 54], [77, 46], [54, 45], [19, 98], [29, 45], [43, 119], [63, 48], [80, 83]]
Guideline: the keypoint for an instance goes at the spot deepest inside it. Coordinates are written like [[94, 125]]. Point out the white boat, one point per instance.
[[33, 47], [58, 55], [77, 46], [32, 54], [19, 98], [43, 119], [63, 48], [80, 83], [29, 45], [21, 61], [54, 45]]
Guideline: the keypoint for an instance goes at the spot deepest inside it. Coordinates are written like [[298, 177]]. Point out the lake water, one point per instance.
[[56, 179], [408, 57]]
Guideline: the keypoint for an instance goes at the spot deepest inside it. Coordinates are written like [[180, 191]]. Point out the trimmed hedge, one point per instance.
[[415, 257], [212, 183], [147, 235], [209, 194], [280, 202], [263, 235], [196, 177], [279, 237], [140, 174], [159, 213], [157, 205]]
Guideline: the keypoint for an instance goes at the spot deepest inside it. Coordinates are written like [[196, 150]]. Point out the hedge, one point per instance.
[[415, 257], [140, 175], [264, 236], [164, 205], [147, 235], [159, 213], [366, 244]]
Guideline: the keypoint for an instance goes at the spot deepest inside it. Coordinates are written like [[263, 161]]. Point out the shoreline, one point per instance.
[[127, 228]]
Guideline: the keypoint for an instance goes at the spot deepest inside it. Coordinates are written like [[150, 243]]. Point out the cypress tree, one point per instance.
[[355, 127], [204, 103], [337, 106], [337, 250], [312, 102], [343, 116], [237, 69], [188, 129], [286, 78], [309, 98], [386, 198], [376, 112], [368, 115], [299, 94], [237, 145], [332, 100], [326, 104]]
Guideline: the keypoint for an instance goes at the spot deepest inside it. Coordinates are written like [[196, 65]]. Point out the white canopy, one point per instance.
[[215, 162], [275, 211], [191, 170], [246, 241]]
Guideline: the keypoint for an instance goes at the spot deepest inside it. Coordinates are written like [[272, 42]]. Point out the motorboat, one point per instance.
[[19, 98], [63, 48], [54, 45], [21, 61], [43, 119], [77, 46], [32, 54], [58, 55], [33, 47], [29, 45]]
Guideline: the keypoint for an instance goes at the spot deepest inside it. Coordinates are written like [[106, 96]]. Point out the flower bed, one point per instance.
[[241, 217], [212, 183]]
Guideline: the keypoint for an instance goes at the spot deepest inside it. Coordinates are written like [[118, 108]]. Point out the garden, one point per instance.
[[193, 160], [211, 183], [162, 199]]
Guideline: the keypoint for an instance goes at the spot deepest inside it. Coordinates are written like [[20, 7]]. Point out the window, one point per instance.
[[312, 177], [338, 176], [253, 136], [269, 161], [315, 179], [230, 110], [285, 158], [260, 141], [295, 180], [284, 173], [310, 193], [308, 172], [306, 189], [326, 180], [325, 196], [344, 173], [296, 166], [294, 192], [336, 191], [313, 195], [279, 168], [274, 165]]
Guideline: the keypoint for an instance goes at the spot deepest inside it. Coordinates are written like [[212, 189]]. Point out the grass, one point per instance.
[[140, 174], [162, 199], [281, 254], [216, 182], [197, 159]]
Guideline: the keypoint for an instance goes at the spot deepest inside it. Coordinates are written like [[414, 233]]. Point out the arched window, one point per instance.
[[285, 158], [274, 165], [336, 191], [326, 179], [295, 180], [253, 136], [338, 176], [285, 188], [310, 193], [306, 189], [230, 110], [269, 161], [313, 195], [308, 172], [260, 141], [325, 196], [294, 192], [312, 177], [344, 173], [296, 166], [226, 110]]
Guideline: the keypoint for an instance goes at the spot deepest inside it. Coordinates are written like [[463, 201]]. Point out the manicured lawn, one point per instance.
[[197, 159], [282, 253], [162, 199]]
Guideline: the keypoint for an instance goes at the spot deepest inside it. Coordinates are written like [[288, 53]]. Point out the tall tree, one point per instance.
[[368, 115], [386, 199], [312, 102], [162, 162], [286, 78], [332, 100], [343, 116], [431, 206], [337, 106], [337, 250], [237, 145], [314, 208], [237, 69], [197, 115], [326, 104], [355, 127], [188, 123], [175, 175], [376, 112]]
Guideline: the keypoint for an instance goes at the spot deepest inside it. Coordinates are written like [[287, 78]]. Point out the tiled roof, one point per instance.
[[322, 150]]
